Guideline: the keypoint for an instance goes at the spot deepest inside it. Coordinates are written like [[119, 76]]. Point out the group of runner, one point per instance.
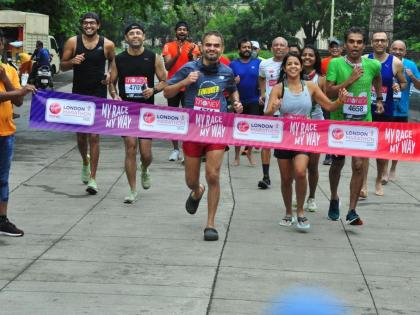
[[291, 84]]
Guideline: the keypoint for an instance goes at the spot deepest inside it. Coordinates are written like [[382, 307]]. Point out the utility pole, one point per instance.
[[332, 18]]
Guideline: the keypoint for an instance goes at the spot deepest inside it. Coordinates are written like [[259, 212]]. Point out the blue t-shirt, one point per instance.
[[43, 57], [248, 85], [207, 92], [401, 107]]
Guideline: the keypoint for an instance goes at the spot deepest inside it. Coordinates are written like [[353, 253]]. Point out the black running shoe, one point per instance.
[[9, 229], [264, 183]]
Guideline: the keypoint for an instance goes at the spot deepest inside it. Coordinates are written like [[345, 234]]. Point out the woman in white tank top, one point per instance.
[[291, 96], [312, 72]]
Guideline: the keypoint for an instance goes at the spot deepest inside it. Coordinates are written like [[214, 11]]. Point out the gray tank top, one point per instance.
[[296, 104]]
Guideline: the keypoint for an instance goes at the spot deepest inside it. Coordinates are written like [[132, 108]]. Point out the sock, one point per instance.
[[3, 217], [266, 168]]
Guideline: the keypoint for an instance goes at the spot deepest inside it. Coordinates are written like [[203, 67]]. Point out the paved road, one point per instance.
[[95, 255]]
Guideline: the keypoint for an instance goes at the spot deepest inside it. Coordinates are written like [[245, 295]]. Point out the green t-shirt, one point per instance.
[[358, 103]]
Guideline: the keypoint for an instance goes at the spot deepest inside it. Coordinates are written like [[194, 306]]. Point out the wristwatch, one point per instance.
[[379, 98]]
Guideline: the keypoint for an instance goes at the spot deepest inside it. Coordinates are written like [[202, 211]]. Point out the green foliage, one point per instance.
[[406, 25]]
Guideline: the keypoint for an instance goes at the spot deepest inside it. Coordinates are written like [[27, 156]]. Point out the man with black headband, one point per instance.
[[204, 81], [134, 70], [176, 54], [87, 54]]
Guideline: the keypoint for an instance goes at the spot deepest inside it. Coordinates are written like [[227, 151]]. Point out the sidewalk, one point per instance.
[[95, 255]]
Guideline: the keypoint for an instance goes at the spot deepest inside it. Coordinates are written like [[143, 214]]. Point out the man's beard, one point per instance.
[[181, 37], [245, 54]]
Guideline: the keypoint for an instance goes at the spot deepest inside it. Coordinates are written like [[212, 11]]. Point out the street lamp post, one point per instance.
[[332, 18]]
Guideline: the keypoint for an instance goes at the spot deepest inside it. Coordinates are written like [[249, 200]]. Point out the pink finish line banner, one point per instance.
[[77, 113]]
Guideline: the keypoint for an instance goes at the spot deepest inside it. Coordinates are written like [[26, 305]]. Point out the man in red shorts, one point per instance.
[[204, 81]]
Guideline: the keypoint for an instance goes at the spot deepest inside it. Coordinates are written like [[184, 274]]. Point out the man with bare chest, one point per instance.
[[87, 54]]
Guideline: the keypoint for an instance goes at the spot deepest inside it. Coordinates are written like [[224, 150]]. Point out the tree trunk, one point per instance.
[[382, 18]]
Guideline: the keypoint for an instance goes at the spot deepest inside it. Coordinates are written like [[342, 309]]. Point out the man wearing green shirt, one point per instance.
[[357, 75]]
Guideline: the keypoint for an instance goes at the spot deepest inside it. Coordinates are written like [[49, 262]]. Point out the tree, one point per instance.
[[382, 17], [406, 22]]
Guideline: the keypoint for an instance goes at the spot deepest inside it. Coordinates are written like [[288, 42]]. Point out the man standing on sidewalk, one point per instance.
[[402, 104], [87, 54], [10, 93], [204, 81], [134, 70], [356, 75], [245, 70], [176, 54], [393, 81], [269, 72]]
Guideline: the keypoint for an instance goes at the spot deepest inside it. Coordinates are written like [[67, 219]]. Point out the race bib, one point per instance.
[[206, 104], [355, 108], [134, 86], [384, 91], [396, 95]]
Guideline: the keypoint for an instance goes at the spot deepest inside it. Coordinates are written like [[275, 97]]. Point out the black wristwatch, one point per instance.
[[379, 98], [155, 90]]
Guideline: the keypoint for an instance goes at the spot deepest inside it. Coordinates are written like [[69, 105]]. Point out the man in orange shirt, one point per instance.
[[176, 54], [10, 92], [335, 47]]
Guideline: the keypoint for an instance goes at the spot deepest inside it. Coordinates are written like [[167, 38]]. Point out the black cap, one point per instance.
[[134, 26], [90, 15], [181, 23]]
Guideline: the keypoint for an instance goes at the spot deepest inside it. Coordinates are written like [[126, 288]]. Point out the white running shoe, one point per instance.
[[146, 180], [131, 198], [174, 156], [311, 205]]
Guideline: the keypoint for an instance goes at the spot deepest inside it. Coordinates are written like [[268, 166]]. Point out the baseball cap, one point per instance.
[[90, 15], [255, 44], [133, 26], [334, 40]]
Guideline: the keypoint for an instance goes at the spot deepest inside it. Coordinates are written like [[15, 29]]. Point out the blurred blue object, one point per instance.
[[307, 301]]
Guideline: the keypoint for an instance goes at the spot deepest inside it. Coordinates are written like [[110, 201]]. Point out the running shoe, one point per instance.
[[334, 210], [353, 218], [328, 160], [131, 198], [174, 156], [264, 183], [86, 172], [146, 180], [288, 220], [9, 229], [303, 223], [92, 187], [311, 205]]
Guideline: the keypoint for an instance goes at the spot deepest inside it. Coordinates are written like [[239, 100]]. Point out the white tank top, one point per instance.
[[316, 112]]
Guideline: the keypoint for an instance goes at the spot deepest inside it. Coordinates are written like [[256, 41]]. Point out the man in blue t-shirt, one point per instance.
[[402, 101], [204, 81], [245, 69]]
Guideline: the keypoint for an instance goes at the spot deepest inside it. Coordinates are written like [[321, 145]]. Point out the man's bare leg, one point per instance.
[[94, 154], [214, 160], [380, 164]]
